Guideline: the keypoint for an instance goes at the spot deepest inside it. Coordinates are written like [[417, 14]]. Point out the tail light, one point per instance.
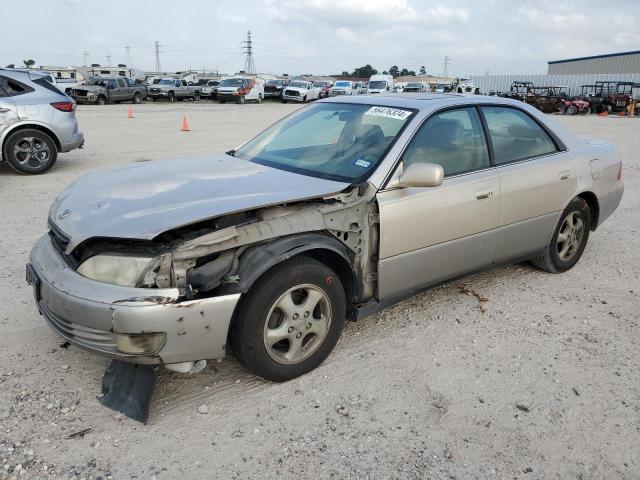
[[64, 106], [620, 172]]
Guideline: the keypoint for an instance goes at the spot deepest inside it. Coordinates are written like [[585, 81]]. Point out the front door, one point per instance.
[[430, 234]]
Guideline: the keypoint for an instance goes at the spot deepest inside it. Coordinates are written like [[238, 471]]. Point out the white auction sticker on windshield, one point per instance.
[[388, 112]]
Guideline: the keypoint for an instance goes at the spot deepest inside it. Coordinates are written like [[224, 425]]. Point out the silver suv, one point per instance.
[[36, 122]]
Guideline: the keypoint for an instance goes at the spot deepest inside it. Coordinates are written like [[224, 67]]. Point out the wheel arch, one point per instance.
[[594, 207], [27, 126], [259, 259]]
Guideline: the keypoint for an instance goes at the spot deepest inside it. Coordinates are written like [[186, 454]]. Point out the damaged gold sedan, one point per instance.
[[334, 212]]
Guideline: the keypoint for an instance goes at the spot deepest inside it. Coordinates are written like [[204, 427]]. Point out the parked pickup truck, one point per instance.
[[102, 90], [209, 89], [173, 90]]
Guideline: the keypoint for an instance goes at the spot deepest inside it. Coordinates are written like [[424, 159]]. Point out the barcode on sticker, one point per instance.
[[388, 112]]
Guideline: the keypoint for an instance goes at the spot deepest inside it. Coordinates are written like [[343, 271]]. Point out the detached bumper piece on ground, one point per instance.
[[128, 388]]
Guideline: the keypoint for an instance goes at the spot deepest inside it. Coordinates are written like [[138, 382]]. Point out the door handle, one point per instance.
[[4, 110], [484, 194], [565, 175]]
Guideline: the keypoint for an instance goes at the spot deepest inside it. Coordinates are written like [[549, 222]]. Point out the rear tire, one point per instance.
[[196, 97], [259, 100], [171, 97], [241, 100], [290, 320], [137, 98], [569, 239], [30, 151]]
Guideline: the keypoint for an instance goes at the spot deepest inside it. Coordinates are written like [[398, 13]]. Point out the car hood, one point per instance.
[[228, 89], [298, 89], [142, 200], [90, 88]]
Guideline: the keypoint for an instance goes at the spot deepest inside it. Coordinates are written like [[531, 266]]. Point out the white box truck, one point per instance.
[[380, 84]]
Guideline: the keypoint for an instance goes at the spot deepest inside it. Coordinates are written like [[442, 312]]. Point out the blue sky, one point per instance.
[[319, 36]]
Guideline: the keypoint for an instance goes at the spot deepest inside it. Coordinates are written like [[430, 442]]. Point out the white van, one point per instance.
[[241, 89], [380, 84]]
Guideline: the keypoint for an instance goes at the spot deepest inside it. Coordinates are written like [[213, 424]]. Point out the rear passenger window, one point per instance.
[[453, 139], [13, 88], [515, 135]]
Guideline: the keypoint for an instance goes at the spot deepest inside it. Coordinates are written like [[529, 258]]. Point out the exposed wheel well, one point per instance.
[[53, 136], [594, 207], [339, 265]]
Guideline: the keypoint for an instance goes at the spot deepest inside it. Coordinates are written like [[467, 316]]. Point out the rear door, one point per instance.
[[430, 234], [8, 110], [537, 175]]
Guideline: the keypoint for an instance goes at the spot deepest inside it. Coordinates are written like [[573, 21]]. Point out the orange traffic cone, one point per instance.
[[130, 113], [185, 125]]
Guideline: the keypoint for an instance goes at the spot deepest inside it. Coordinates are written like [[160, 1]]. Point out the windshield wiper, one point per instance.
[[231, 153]]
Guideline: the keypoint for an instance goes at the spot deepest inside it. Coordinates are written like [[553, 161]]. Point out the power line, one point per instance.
[[249, 66]]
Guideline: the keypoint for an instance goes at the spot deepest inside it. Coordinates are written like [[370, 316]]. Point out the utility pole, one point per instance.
[[447, 61], [109, 59], [127, 56], [85, 58], [157, 57], [249, 66]]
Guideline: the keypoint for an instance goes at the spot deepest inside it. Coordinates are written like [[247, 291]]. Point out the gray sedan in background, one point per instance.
[[37, 121], [336, 211]]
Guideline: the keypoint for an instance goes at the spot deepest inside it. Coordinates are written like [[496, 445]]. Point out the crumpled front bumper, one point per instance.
[[90, 314]]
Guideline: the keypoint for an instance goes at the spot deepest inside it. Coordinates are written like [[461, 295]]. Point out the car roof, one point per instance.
[[422, 101]]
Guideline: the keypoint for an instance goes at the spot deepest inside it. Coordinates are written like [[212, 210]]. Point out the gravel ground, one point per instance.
[[543, 384]]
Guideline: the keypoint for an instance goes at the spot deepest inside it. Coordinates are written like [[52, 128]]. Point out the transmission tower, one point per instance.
[[157, 57], [249, 66], [127, 56], [85, 58], [446, 63], [109, 60]]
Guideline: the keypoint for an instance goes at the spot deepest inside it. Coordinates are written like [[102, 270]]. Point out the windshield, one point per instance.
[[377, 85], [274, 83], [232, 82], [442, 86], [299, 84], [97, 81], [336, 141], [165, 81], [413, 85], [342, 84], [320, 84]]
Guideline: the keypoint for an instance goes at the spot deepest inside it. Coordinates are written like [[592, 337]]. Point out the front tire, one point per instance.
[[290, 320], [30, 151], [569, 239], [101, 100]]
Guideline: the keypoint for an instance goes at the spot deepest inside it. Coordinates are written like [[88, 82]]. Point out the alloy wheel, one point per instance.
[[570, 236], [297, 324], [32, 152]]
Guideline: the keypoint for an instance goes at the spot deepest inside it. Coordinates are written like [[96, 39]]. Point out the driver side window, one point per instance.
[[453, 139]]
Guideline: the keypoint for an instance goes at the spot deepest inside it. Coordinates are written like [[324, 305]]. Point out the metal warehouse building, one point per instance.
[[613, 63]]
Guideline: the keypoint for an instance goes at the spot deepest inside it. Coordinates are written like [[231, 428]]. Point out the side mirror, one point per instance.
[[422, 175]]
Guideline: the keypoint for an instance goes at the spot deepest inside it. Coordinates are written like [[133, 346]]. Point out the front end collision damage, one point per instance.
[[340, 230], [203, 271]]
